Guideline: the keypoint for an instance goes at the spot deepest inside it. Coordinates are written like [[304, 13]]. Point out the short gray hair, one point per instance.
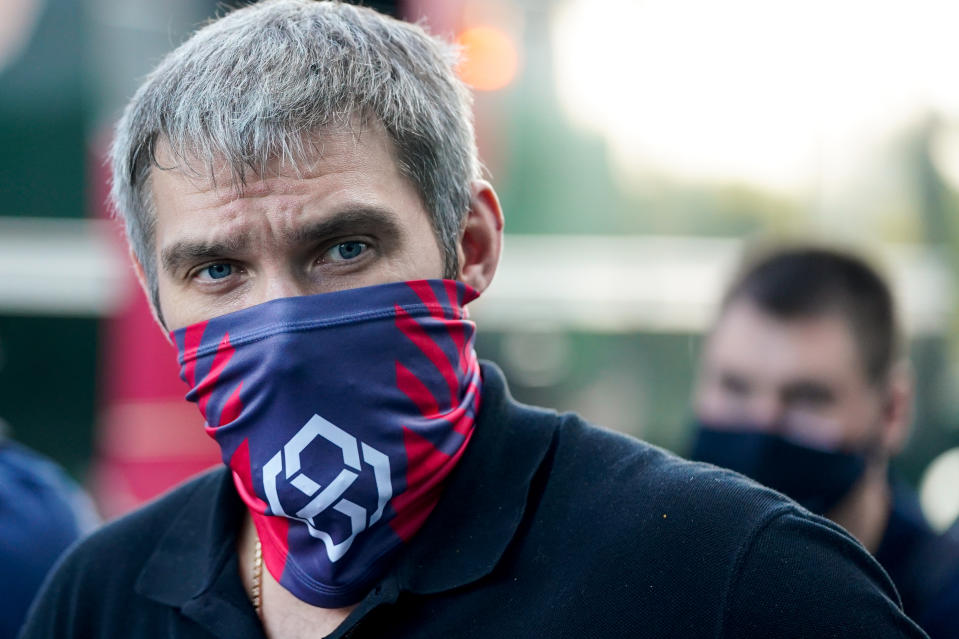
[[260, 83]]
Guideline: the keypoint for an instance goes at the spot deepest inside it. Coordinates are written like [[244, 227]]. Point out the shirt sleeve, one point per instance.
[[803, 576]]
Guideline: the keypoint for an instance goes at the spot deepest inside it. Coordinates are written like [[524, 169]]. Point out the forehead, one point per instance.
[[351, 183], [751, 343], [362, 145]]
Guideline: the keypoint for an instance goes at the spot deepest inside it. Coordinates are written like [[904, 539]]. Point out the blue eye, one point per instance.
[[218, 271], [347, 250]]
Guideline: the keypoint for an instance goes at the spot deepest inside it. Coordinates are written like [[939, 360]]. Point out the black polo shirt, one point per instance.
[[548, 527]]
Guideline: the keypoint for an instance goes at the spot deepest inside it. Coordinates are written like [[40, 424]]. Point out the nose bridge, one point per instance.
[[767, 410], [277, 282]]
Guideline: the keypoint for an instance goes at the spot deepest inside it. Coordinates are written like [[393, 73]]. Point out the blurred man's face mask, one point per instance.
[[817, 478]]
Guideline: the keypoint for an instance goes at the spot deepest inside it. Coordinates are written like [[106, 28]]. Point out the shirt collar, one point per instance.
[[462, 540], [197, 544], [484, 500]]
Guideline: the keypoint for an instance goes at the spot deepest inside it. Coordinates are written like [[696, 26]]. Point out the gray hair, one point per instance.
[[259, 85]]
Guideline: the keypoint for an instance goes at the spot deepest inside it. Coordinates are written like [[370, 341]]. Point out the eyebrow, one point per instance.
[[188, 252], [729, 379], [348, 221]]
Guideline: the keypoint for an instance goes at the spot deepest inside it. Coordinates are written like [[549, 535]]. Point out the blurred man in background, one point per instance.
[[42, 512], [304, 203], [805, 387]]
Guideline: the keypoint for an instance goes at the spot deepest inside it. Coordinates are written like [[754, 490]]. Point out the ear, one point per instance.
[[898, 408], [145, 286], [481, 240]]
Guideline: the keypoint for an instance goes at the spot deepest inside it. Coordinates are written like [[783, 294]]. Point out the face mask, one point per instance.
[[340, 415], [816, 479]]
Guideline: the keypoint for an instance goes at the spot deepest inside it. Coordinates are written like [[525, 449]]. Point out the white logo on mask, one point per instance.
[[332, 494]]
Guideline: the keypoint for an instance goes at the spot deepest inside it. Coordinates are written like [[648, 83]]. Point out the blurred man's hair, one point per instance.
[[260, 84], [808, 281]]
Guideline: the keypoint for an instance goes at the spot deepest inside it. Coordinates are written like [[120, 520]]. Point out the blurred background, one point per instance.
[[637, 147]]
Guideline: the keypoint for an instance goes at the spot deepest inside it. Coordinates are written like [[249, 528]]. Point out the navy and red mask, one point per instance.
[[340, 415]]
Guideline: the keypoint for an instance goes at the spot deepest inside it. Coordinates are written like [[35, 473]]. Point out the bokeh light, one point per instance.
[[490, 59], [774, 94], [939, 490], [17, 20]]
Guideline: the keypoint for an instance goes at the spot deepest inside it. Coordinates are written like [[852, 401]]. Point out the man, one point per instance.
[[296, 179], [804, 386]]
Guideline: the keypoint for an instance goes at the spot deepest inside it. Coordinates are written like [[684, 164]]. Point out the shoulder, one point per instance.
[[719, 549], [605, 474], [130, 539], [649, 508], [97, 576], [587, 464], [627, 471], [803, 575]]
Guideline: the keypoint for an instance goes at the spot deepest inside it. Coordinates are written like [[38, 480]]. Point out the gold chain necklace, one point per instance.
[[255, 594]]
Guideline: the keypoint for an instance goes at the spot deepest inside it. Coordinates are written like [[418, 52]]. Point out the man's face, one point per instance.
[[803, 378], [348, 220]]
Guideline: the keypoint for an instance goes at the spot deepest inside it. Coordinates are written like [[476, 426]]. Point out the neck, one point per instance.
[[283, 615], [864, 512]]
